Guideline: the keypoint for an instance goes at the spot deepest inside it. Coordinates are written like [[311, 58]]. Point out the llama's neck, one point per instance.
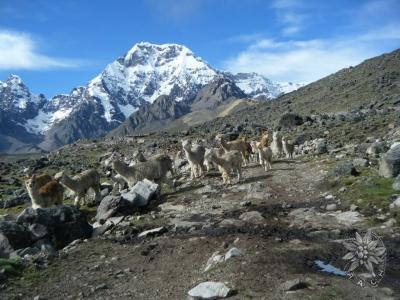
[[189, 153], [70, 183], [217, 160], [33, 193], [122, 169], [224, 145]]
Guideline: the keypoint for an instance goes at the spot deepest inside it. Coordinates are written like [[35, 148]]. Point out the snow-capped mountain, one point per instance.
[[146, 72], [15, 98], [136, 79]]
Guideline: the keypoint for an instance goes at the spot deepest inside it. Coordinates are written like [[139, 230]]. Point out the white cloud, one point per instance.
[[304, 60], [290, 16], [19, 51]]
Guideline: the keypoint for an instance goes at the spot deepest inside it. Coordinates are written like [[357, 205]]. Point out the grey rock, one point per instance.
[[331, 207], [64, 223], [214, 260], [100, 230], [395, 204], [254, 217], [152, 232], [231, 223], [38, 231], [360, 162], [15, 201], [321, 147], [140, 194], [375, 148], [396, 184], [25, 251], [5, 247], [292, 285], [210, 290], [17, 235], [233, 252], [345, 169], [389, 163], [111, 206]]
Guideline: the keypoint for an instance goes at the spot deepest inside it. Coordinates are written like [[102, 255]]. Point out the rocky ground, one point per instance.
[[281, 222]]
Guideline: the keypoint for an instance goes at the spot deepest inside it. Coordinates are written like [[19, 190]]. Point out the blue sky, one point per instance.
[[56, 45]]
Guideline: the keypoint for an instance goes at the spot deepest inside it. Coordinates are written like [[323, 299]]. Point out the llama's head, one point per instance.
[[253, 145], [30, 182], [186, 144], [219, 137], [59, 176], [276, 135]]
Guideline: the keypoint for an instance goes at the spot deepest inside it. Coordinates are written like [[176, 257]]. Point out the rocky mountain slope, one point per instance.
[[373, 84], [136, 79], [165, 110]]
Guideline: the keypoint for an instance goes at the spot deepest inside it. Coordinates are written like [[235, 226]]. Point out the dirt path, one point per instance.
[[277, 242]]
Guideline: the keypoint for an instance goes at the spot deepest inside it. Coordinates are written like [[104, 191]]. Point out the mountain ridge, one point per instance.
[[144, 73]]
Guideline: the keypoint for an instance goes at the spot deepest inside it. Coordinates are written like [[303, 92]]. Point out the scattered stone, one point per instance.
[[292, 285], [233, 252], [254, 217], [20, 253], [210, 290], [353, 207], [245, 203], [375, 148], [5, 247], [15, 201], [389, 163], [395, 204], [396, 183], [360, 162], [231, 223], [390, 223], [345, 169], [152, 232], [342, 189], [348, 217], [331, 207], [215, 259], [18, 235], [321, 146]]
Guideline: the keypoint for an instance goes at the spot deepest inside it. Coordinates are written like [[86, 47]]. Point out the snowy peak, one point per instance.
[[146, 72], [258, 87], [15, 97]]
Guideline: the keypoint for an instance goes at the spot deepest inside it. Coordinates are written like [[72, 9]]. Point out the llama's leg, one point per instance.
[[77, 201], [239, 173], [192, 171]]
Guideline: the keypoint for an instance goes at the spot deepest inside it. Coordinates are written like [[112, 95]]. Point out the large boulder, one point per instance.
[[15, 201], [210, 290], [141, 194], [345, 169], [5, 247], [17, 235], [290, 120], [321, 146], [60, 225], [112, 206], [375, 148], [389, 163]]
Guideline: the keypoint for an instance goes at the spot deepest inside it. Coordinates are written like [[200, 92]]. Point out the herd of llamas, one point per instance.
[[228, 158]]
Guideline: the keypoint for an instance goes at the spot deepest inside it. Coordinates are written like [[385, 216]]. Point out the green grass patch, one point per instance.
[[11, 267], [372, 189]]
